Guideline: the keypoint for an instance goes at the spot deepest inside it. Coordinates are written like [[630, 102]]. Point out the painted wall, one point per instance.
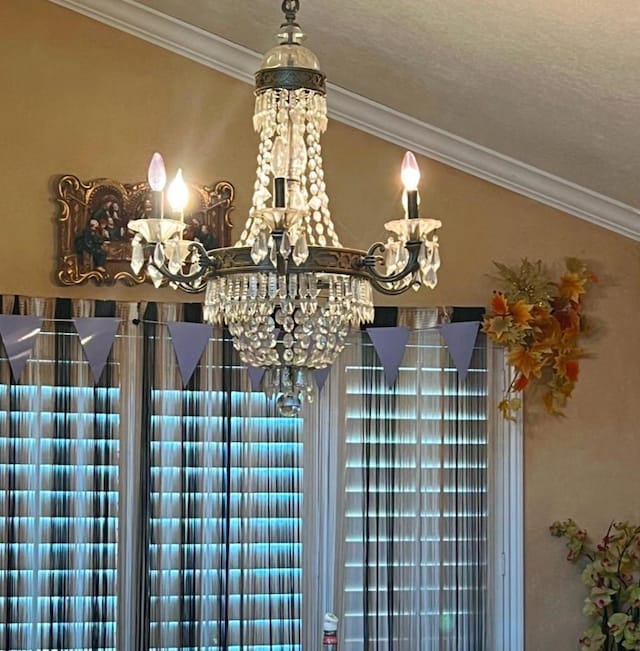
[[81, 98]]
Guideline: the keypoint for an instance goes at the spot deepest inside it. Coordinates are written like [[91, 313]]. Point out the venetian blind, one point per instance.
[[414, 532], [225, 558], [59, 446]]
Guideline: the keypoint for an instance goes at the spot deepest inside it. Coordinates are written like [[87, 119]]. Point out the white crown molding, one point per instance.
[[368, 116]]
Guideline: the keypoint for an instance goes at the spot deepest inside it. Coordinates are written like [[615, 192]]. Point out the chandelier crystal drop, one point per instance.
[[288, 291]]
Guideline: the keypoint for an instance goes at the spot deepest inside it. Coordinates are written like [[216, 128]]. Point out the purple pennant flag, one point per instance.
[[390, 344], [460, 339], [255, 376], [18, 335], [189, 342], [96, 336], [321, 377]]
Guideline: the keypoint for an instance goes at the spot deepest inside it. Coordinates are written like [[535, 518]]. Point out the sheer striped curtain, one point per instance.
[[412, 539], [59, 444], [224, 509]]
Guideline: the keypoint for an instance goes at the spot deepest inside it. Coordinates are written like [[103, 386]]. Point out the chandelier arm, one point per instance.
[[369, 263], [179, 278], [206, 262], [389, 291], [189, 289]]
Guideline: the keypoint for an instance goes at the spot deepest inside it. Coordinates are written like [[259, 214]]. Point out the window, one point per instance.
[[415, 522], [138, 514], [59, 478]]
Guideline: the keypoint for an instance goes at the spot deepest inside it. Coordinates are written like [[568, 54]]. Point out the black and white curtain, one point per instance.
[[59, 484], [136, 513], [413, 534], [224, 496]]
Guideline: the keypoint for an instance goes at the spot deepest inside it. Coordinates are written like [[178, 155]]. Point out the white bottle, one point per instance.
[[330, 634]]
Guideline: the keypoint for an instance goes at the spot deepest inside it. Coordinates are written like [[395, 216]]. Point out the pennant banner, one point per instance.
[[189, 342], [18, 334], [96, 336], [390, 344], [255, 376], [321, 377], [460, 339]]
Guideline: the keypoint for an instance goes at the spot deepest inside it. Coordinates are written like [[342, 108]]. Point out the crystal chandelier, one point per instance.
[[288, 291]]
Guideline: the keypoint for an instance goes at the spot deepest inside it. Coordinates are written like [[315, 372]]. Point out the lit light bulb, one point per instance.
[[157, 174], [410, 172], [178, 193], [410, 175]]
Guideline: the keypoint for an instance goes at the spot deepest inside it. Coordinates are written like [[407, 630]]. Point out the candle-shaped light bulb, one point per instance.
[[410, 172], [410, 175], [157, 174], [178, 194]]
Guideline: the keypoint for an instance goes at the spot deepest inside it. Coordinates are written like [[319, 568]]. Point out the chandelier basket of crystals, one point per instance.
[[288, 291]]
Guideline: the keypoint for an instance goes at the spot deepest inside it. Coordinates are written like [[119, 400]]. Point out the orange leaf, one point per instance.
[[499, 304], [521, 312], [571, 286], [525, 362], [573, 369], [520, 383]]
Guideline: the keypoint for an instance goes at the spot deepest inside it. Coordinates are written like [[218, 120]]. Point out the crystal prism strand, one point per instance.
[[430, 279], [175, 260], [301, 250], [436, 253], [155, 275], [137, 255], [259, 249], [273, 252], [426, 261], [158, 255], [285, 246]]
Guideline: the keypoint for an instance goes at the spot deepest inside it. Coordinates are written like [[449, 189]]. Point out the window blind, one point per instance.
[[225, 558], [415, 520], [59, 477]]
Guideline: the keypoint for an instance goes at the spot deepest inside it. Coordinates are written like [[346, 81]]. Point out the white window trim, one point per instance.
[[507, 517]]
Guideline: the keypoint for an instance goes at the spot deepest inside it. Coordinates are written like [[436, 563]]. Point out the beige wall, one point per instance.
[[80, 98]]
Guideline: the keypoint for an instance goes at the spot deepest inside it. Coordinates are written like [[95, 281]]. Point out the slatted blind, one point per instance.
[[226, 493], [59, 445], [415, 519]]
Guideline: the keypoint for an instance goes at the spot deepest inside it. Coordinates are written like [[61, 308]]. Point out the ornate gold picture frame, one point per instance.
[[94, 241]]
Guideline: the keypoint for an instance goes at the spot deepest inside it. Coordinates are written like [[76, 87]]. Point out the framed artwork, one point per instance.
[[94, 241]]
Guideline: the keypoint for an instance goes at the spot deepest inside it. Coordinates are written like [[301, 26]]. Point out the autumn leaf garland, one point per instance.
[[539, 322]]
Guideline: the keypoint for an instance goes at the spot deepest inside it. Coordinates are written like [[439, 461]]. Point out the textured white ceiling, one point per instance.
[[552, 83]]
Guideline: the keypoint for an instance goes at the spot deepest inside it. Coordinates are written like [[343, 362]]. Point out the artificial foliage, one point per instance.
[[540, 322], [612, 576]]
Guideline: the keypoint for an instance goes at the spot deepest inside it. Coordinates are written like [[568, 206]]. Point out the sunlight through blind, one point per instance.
[[415, 516], [59, 450], [225, 517]]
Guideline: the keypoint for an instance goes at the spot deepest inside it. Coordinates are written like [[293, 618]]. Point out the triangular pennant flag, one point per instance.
[[255, 376], [321, 377], [189, 342], [460, 339], [390, 344], [18, 334], [96, 336]]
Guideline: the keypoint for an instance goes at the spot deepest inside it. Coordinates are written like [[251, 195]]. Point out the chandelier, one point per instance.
[[288, 291]]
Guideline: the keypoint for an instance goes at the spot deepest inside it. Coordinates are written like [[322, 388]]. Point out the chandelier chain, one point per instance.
[[290, 8]]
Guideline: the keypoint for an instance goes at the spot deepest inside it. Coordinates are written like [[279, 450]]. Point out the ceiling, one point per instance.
[[541, 97], [552, 83]]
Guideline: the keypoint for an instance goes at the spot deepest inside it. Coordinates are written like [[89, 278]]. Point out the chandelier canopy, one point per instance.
[[288, 291]]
